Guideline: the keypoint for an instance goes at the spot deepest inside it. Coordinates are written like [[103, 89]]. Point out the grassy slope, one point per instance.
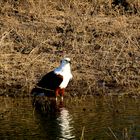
[[103, 43]]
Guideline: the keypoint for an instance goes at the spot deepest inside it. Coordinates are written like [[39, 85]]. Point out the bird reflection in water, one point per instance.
[[55, 119]]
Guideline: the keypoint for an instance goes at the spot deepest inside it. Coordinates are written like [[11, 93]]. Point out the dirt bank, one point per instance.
[[102, 39]]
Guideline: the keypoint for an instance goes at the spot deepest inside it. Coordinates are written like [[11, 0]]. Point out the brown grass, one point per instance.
[[102, 41]]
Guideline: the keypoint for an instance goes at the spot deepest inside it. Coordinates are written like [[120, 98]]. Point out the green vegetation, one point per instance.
[[103, 41]]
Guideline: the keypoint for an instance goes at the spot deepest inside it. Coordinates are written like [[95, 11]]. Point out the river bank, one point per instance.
[[102, 41]]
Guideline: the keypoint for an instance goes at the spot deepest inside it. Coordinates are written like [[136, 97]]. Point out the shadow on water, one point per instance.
[[55, 119]]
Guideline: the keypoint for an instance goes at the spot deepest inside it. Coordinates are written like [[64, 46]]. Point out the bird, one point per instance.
[[53, 84]]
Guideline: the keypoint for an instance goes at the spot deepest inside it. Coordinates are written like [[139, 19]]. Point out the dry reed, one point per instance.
[[102, 41]]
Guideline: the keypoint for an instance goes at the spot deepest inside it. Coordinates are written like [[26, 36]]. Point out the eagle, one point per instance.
[[53, 84]]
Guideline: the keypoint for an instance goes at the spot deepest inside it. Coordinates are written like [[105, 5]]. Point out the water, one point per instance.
[[94, 118]]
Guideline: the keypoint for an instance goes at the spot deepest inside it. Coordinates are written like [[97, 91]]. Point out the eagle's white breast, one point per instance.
[[65, 71]]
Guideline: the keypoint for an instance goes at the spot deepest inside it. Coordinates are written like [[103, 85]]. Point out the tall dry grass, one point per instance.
[[103, 42]]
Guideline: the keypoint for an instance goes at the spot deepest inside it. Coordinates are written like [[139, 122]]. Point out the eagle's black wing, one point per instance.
[[48, 84], [50, 81]]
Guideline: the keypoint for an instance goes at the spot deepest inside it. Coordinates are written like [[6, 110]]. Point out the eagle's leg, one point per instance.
[[57, 91], [62, 93]]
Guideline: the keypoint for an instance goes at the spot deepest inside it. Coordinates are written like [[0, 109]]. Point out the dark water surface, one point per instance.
[[90, 118]]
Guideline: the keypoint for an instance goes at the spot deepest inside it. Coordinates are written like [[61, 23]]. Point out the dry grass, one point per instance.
[[102, 41]]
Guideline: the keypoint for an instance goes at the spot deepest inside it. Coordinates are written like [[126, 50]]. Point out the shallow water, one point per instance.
[[92, 118]]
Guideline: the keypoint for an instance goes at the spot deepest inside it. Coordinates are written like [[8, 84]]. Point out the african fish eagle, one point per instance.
[[54, 82]]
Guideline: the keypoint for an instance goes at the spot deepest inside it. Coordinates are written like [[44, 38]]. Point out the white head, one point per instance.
[[64, 66], [65, 61]]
